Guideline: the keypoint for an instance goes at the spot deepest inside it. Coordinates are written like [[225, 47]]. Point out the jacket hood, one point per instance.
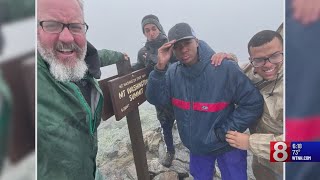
[[151, 19], [157, 43], [92, 60], [204, 56]]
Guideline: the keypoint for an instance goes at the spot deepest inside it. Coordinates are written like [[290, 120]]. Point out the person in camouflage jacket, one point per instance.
[[268, 78]]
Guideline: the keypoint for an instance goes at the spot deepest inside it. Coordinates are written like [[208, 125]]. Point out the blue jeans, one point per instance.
[[232, 164]]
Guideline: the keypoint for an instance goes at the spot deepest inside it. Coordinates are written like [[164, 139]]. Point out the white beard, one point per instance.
[[60, 71]]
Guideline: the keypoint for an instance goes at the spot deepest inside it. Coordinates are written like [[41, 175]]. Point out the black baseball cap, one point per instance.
[[180, 32]]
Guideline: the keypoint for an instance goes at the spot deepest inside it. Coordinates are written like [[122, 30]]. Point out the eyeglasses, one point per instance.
[[275, 58], [57, 27]]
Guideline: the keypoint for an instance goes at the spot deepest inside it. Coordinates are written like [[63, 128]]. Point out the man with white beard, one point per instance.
[[69, 97]]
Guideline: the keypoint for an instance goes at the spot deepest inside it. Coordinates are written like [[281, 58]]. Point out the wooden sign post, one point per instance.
[[126, 92]]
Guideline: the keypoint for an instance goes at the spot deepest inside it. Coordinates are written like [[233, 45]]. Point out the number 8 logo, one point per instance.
[[280, 151]]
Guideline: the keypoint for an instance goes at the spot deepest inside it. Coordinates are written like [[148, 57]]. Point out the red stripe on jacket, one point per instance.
[[209, 107], [180, 104], [303, 129], [198, 106]]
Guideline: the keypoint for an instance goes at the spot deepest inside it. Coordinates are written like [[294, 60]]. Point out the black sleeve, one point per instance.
[[141, 61]]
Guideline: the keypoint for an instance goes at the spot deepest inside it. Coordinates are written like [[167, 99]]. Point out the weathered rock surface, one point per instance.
[[115, 159]]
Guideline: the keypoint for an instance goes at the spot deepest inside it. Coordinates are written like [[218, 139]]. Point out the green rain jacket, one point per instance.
[[270, 125], [5, 104], [67, 124]]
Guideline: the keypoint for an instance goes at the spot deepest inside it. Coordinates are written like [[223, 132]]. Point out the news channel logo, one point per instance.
[[281, 151]]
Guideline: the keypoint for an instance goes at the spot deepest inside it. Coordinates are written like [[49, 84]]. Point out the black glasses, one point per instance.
[[57, 27], [275, 58]]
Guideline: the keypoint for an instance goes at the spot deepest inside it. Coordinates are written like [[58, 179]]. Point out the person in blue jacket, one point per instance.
[[147, 58], [302, 81], [207, 100]]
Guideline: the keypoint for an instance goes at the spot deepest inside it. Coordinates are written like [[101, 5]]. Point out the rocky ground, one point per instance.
[[115, 159]]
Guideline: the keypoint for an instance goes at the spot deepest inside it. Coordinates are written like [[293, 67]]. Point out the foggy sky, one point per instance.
[[226, 25]]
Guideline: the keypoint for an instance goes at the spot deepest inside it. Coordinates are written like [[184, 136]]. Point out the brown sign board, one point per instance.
[[107, 110], [128, 92]]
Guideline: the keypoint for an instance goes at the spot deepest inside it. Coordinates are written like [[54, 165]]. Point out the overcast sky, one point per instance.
[[226, 25]]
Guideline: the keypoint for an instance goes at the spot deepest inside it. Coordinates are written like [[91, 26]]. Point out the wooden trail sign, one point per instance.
[[122, 96], [128, 92]]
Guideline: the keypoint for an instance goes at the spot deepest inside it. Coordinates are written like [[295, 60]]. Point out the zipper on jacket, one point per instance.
[[191, 115], [99, 104], [84, 104], [95, 114], [93, 125]]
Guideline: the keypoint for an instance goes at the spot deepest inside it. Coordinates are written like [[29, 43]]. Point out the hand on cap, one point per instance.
[[164, 54]]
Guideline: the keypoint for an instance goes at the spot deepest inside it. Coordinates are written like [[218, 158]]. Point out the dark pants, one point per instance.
[[166, 117], [232, 164], [262, 172]]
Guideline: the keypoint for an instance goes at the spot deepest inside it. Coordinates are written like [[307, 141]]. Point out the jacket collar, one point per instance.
[[93, 61], [40, 62], [196, 69], [157, 43]]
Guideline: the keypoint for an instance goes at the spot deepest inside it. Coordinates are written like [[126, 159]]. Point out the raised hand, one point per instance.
[[164, 54]]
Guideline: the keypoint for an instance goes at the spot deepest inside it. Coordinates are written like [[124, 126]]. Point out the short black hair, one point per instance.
[[263, 37]]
